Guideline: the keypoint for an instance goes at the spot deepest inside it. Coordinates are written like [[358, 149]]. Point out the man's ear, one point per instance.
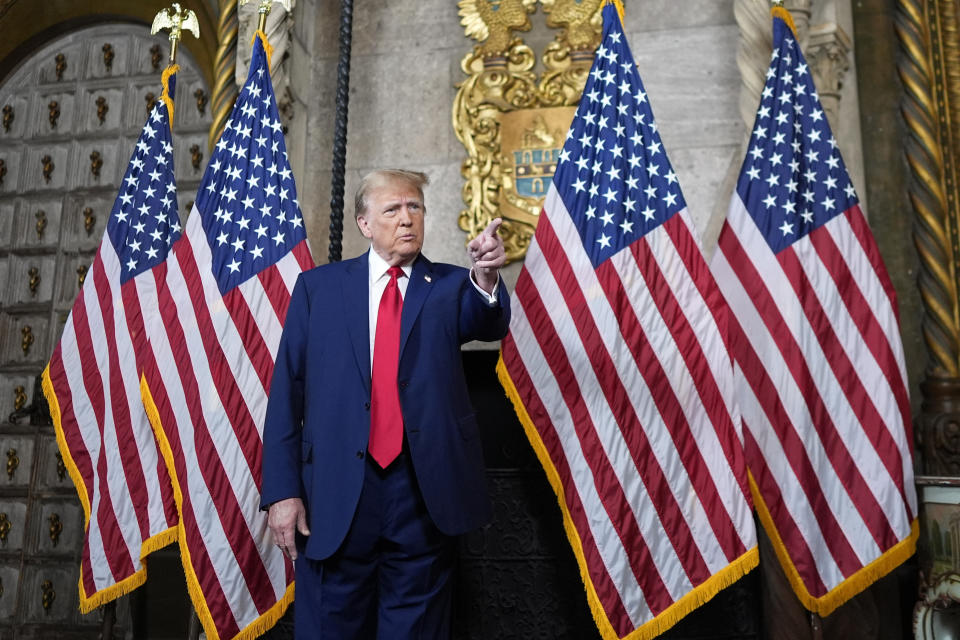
[[363, 226]]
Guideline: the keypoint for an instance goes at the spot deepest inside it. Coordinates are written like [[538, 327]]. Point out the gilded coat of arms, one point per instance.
[[511, 119]]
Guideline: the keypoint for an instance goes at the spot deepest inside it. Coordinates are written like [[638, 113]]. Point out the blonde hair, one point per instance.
[[381, 176]]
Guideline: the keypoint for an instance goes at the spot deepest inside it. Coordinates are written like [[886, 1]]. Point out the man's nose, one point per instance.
[[405, 218]]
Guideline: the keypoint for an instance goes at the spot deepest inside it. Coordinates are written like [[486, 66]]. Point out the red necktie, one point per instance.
[[386, 418]]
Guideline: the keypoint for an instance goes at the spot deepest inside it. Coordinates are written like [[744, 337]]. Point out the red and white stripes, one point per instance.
[[821, 378], [624, 378], [92, 383], [216, 356]]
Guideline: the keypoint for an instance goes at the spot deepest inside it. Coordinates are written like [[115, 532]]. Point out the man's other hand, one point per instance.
[[487, 255], [282, 517]]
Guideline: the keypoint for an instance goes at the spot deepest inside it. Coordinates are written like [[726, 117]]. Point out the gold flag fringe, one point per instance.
[[783, 14], [853, 585], [267, 619], [165, 94], [89, 602], [267, 48], [675, 612]]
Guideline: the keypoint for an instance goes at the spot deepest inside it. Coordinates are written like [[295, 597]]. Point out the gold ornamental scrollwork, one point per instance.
[[511, 119]]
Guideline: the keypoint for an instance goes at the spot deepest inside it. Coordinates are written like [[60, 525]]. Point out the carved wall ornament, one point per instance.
[[8, 115], [151, 100], [61, 65], [48, 167], [828, 54], [54, 113], [61, 467], [81, 275], [48, 595], [156, 57], [108, 56], [96, 163], [201, 97], [5, 526], [41, 217], [102, 109], [33, 282], [89, 220], [189, 206], [196, 157], [511, 121], [3, 169], [19, 397], [12, 462], [26, 338], [55, 529]]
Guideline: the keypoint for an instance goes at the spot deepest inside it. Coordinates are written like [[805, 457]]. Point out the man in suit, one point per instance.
[[371, 455]]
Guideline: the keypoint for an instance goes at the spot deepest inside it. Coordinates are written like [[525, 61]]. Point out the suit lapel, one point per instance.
[[356, 309], [418, 289]]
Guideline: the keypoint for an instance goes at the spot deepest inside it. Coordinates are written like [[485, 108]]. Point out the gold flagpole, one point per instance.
[[264, 11]]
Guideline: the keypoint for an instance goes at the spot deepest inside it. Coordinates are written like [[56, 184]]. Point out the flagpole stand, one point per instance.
[[193, 630], [816, 626], [109, 620]]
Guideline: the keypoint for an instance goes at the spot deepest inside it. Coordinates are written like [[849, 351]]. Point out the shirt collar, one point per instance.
[[379, 266]]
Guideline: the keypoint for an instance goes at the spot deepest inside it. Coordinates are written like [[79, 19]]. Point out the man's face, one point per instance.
[[394, 221]]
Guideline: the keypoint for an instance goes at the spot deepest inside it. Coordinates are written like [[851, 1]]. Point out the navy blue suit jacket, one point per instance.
[[318, 415]]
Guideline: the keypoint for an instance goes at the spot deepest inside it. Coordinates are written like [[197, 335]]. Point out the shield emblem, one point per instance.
[[530, 145]]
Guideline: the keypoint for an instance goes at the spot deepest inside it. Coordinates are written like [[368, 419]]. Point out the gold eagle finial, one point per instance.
[[176, 19]]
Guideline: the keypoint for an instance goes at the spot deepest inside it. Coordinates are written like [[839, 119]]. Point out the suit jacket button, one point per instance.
[[360, 454], [366, 405]]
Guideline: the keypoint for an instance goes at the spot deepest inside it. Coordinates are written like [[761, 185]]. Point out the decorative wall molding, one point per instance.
[[828, 54]]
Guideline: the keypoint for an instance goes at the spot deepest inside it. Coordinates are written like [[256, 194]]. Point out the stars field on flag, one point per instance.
[[251, 213], [613, 174]]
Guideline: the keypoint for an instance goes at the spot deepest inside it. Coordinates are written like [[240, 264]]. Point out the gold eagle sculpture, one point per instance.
[[583, 20], [493, 21], [176, 19]]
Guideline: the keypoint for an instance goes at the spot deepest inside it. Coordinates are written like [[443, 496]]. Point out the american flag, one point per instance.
[[222, 311], [616, 364], [818, 360], [92, 380]]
